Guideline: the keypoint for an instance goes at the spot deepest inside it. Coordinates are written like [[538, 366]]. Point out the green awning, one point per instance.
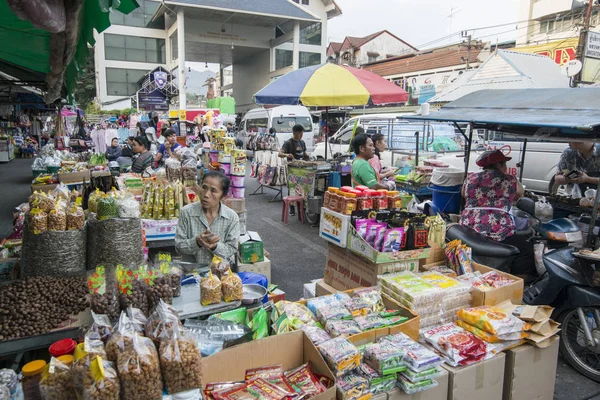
[[28, 47], [226, 105]]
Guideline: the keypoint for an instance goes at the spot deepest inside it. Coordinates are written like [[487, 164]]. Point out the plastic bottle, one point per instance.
[[32, 373]]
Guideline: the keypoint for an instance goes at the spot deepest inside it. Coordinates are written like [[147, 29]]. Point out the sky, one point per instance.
[[420, 22]]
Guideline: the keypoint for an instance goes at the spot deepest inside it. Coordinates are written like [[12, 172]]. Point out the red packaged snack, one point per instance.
[[303, 378], [272, 374], [457, 345], [220, 386], [254, 389]]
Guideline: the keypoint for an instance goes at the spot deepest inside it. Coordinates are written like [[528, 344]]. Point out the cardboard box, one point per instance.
[[251, 248], [484, 380], [323, 289], [533, 314], [243, 223], [263, 267], [345, 270], [43, 188], [309, 290], [530, 372], [291, 350], [237, 205], [440, 392], [276, 295], [72, 177], [334, 227], [359, 246]]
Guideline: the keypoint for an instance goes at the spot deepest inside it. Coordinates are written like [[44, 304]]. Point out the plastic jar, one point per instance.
[[334, 199], [327, 196], [381, 201], [32, 373], [62, 347], [394, 200], [346, 189], [365, 201], [349, 203]]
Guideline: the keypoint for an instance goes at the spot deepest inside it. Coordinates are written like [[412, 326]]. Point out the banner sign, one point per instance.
[[561, 51], [153, 101], [300, 181], [160, 78]]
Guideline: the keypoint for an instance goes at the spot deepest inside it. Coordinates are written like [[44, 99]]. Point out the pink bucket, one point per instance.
[[237, 180], [238, 192], [214, 156], [226, 168]]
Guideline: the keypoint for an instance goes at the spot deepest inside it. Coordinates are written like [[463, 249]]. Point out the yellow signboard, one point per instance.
[[182, 115], [561, 51], [173, 113]]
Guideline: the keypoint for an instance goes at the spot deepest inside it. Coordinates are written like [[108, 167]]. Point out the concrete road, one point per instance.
[[298, 256]]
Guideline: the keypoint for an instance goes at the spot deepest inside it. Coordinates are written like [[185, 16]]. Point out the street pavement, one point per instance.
[[298, 256]]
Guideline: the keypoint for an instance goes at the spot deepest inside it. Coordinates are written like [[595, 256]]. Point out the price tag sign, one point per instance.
[[182, 115]]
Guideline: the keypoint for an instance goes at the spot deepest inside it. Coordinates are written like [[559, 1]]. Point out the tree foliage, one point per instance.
[[85, 91]]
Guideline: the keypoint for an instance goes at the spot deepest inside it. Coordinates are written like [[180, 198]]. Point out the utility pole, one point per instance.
[[583, 36], [464, 34]]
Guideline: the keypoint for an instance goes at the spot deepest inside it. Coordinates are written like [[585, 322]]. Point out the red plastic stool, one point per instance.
[[287, 200]]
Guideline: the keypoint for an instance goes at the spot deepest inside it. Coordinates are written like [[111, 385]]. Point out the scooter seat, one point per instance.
[[480, 245]]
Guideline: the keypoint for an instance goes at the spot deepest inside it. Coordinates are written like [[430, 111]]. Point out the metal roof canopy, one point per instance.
[[548, 114]]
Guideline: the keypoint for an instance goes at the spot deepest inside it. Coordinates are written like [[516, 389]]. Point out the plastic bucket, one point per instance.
[[214, 156], [237, 180], [226, 168], [446, 199], [238, 192]]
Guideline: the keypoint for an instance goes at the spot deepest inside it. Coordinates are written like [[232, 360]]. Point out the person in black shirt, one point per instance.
[[294, 148]]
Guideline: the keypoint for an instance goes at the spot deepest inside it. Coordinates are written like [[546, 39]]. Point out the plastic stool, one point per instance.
[[287, 200]]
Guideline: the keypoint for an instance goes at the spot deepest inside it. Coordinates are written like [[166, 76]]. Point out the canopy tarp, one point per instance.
[[28, 47], [226, 105], [541, 113]]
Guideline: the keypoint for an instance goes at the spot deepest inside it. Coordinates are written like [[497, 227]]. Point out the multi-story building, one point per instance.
[[260, 40], [357, 51]]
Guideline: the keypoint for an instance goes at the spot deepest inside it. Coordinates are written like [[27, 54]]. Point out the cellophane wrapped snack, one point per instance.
[[75, 218], [139, 371], [415, 377], [92, 349], [210, 290], [272, 374], [352, 386], [103, 290], [315, 334], [371, 296], [490, 338], [57, 381], [219, 267], [57, 219], [322, 301], [132, 288], [494, 280], [341, 355], [493, 320], [372, 321], [333, 312], [412, 388], [231, 285], [304, 379], [93, 200], [385, 357], [377, 383], [257, 388], [161, 322], [138, 318], [357, 306], [417, 357], [37, 221], [101, 381], [128, 207], [210, 388], [342, 328], [122, 338], [101, 328], [180, 362], [293, 310], [106, 208], [159, 284], [457, 345], [176, 275]]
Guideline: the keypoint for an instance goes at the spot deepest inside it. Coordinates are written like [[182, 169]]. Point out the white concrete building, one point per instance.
[[260, 39], [378, 46]]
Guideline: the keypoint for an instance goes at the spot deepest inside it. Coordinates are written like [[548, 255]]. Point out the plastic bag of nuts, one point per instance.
[[159, 285], [176, 275], [57, 219], [161, 322], [139, 371], [75, 218], [210, 290], [218, 267], [180, 362], [132, 288], [37, 221], [101, 328], [46, 202], [101, 381], [85, 353], [137, 318], [122, 339], [103, 292], [231, 285], [57, 380]]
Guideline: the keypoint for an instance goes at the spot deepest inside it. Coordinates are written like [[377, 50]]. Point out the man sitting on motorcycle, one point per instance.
[[489, 197]]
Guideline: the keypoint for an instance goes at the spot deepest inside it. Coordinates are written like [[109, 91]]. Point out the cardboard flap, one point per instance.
[[533, 313], [541, 341], [250, 236], [545, 328]]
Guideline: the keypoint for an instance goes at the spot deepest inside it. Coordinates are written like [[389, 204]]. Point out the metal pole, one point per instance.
[[522, 164], [326, 129], [468, 154], [417, 149], [583, 38]]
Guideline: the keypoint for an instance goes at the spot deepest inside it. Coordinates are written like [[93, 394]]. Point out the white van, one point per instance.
[[282, 118]]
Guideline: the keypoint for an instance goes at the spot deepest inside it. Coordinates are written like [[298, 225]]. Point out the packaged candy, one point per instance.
[[379, 236], [450, 255], [210, 388], [488, 337], [256, 388], [393, 240], [495, 280], [492, 320], [357, 306], [371, 296], [333, 312], [304, 379], [459, 346], [372, 231], [352, 386], [417, 357], [412, 388], [385, 357], [293, 310], [416, 377], [397, 320], [323, 301], [341, 297], [272, 374], [463, 256], [341, 355], [361, 227], [372, 321], [378, 383], [342, 328], [316, 334]]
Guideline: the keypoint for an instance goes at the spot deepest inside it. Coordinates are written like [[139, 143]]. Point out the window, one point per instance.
[[305, 2], [134, 48], [140, 17], [309, 59], [372, 58], [311, 34], [257, 125], [285, 124], [547, 26], [595, 19], [174, 44], [283, 58], [123, 82]]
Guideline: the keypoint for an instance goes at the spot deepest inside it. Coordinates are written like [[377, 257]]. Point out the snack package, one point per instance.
[[159, 284], [357, 306], [161, 322], [210, 290], [457, 345], [137, 317], [75, 218], [57, 219], [176, 275], [394, 240], [392, 321], [372, 231], [122, 339], [463, 256], [304, 379], [219, 267], [341, 355], [333, 312], [368, 322], [417, 357], [450, 255], [231, 285], [316, 334], [352, 386], [46, 202], [322, 302], [272, 374], [57, 381], [101, 381], [37, 221], [210, 388], [415, 377], [128, 207], [293, 310], [385, 357], [93, 200], [101, 328], [139, 371], [488, 337], [493, 320], [180, 362], [343, 328], [103, 291], [377, 383], [371, 296], [361, 227], [495, 280], [84, 355], [379, 237], [412, 388], [106, 208], [132, 288], [256, 388]]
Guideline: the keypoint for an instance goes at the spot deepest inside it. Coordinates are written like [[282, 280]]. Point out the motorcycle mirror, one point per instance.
[[526, 204]]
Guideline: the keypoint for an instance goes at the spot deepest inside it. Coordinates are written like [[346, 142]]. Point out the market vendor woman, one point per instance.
[[584, 159], [209, 227]]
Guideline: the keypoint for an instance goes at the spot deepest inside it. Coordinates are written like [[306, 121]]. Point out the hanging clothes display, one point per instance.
[[111, 133], [98, 136]]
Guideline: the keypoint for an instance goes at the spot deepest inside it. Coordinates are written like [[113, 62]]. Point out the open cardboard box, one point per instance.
[[359, 246], [492, 297], [410, 327], [291, 350]]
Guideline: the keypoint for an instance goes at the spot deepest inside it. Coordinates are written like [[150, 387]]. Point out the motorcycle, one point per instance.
[[567, 284]]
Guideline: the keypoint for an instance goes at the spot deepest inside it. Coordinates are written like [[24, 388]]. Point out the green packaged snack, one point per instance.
[[378, 383], [412, 388], [368, 322], [416, 377], [341, 355], [385, 357], [394, 320], [239, 316], [259, 324], [352, 386]]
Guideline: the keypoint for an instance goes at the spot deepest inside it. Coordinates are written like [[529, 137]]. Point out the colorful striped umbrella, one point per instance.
[[330, 85]]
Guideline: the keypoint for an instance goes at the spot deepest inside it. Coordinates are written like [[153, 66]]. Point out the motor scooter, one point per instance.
[[567, 284]]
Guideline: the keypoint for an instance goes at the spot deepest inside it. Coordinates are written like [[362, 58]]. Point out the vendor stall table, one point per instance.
[[421, 191], [30, 343], [188, 304]]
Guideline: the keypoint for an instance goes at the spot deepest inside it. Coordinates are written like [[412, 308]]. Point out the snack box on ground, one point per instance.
[[491, 297], [334, 227], [359, 246], [483, 380], [262, 267], [346, 270], [291, 350]]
